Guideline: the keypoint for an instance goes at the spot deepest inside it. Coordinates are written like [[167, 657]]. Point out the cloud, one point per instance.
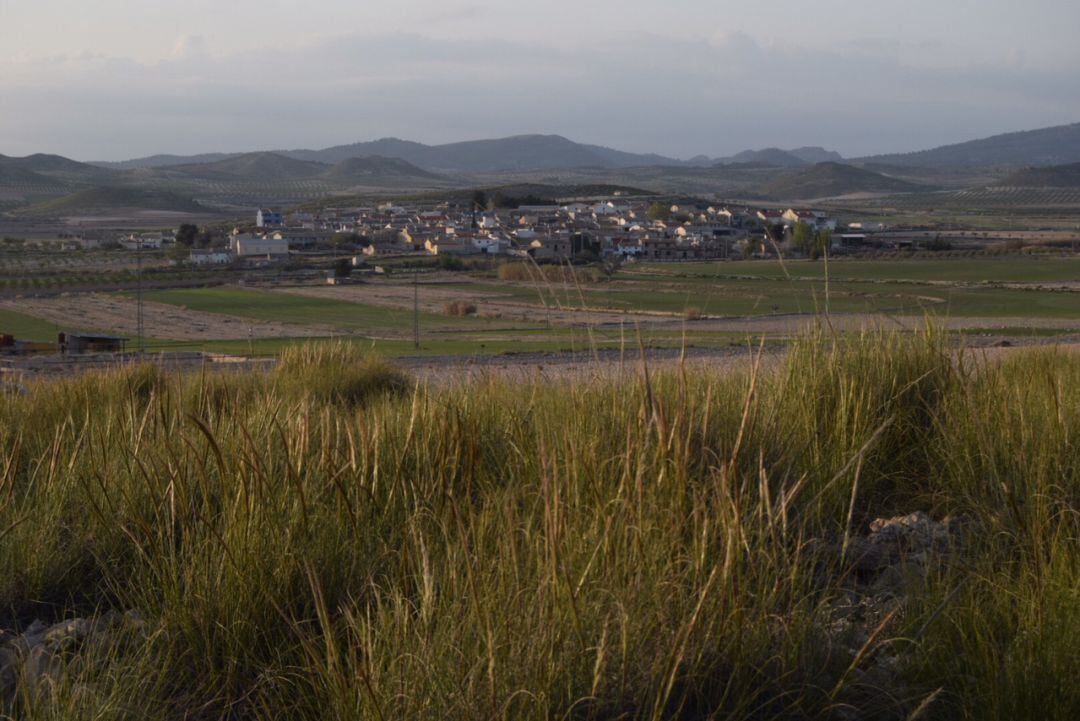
[[187, 46], [680, 96]]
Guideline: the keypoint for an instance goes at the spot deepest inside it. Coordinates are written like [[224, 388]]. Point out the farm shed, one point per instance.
[[87, 343]]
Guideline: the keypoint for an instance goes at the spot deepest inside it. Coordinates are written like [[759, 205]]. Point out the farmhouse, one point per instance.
[[210, 257], [253, 246], [267, 218]]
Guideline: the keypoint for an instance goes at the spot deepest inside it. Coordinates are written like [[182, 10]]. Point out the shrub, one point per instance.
[[459, 308], [338, 373], [692, 313]]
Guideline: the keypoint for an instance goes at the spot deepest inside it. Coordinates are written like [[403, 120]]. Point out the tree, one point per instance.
[[802, 237], [342, 268], [479, 200], [349, 240], [186, 234], [659, 211]]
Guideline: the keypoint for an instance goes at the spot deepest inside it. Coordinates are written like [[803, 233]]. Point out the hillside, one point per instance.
[[776, 157], [519, 152], [18, 175], [1046, 146], [375, 169], [826, 180], [816, 154], [255, 166], [95, 200], [52, 166], [1054, 176], [769, 157], [163, 160]]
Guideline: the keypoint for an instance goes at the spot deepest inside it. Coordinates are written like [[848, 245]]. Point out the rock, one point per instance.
[[68, 634], [911, 539], [40, 653]]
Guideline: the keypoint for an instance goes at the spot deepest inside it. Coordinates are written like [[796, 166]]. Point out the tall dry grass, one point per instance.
[[331, 541]]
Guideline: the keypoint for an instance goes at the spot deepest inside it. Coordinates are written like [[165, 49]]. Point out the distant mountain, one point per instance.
[[55, 167], [1047, 146], [103, 199], [774, 157], [375, 169], [254, 166], [18, 175], [518, 152], [163, 161], [1053, 176], [386, 148], [816, 154], [826, 180]]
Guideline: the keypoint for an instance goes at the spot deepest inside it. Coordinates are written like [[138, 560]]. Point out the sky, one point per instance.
[[117, 79]]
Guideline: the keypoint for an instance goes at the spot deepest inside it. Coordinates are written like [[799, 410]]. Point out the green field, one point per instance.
[[715, 289], [26, 327], [973, 270], [977, 289], [303, 310]]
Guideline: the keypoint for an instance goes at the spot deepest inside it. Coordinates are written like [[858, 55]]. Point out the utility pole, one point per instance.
[[416, 308]]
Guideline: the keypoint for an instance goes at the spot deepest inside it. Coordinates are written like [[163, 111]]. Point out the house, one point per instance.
[[551, 248], [146, 241], [253, 246], [769, 216], [816, 219], [266, 218], [449, 247], [491, 245], [210, 257]]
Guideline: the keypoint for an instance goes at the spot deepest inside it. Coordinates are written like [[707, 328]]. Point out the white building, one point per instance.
[[253, 246], [210, 257]]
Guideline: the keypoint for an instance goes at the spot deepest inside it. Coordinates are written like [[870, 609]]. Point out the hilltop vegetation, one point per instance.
[[1055, 176], [826, 180], [112, 198], [1045, 146], [330, 540]]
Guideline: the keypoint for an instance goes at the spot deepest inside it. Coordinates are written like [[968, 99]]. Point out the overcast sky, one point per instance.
[[115, 79]]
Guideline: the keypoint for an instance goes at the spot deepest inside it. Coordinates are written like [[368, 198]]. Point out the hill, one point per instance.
[[255, 166], [56, 167], [376, 169], [826, 180], [1054, 176], [775, 157], [518, 152], [17, 175], [1047, 146], [163, 160], [95, 200], [816, 154]]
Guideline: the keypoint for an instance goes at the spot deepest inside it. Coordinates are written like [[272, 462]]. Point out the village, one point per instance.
[[614, 229], [609, 229]]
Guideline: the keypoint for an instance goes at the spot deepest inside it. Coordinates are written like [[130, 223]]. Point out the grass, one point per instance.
[[661, 545], [727, 296], [977, 270], [302, 310], [26, 327]]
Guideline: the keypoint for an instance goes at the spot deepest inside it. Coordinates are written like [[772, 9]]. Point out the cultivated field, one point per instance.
[[476, 312]]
